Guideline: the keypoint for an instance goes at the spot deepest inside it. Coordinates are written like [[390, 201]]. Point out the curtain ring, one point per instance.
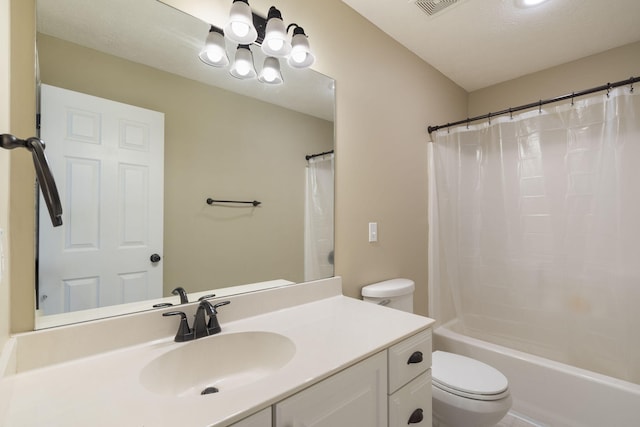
[[510, 113], [540, 107], [573, 94], [608, 89], [631, 84], [489, 116], [468, 123]]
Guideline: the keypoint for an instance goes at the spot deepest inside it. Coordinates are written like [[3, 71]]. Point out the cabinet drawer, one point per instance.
[[412, 399], [408, 359]]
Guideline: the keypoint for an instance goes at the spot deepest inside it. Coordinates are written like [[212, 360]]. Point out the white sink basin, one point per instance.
[[217, 363]]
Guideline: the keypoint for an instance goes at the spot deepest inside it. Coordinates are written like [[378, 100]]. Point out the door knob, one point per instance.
[[155, 258]]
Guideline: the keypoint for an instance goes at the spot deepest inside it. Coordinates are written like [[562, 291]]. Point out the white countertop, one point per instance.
[[104, 389]]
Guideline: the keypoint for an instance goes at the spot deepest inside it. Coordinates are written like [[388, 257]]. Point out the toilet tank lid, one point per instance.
[[389, 288]]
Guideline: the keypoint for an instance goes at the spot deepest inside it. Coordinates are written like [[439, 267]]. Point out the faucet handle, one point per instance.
[[184, 331], [220, 304], [213, 325], [206, 297]]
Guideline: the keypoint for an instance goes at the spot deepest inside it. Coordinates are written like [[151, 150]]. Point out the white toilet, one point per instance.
[[466, 392]]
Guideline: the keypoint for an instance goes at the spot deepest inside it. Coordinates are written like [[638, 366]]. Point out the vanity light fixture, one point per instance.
[[245, 28], [214, 52], [240, 28], [270, 73], [275, 37], [242, 67], [301, 56]]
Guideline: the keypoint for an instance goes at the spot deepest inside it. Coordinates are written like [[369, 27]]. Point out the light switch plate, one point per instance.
[[373, 232]]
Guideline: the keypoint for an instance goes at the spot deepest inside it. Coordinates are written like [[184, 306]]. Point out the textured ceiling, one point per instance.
[[478, 43]]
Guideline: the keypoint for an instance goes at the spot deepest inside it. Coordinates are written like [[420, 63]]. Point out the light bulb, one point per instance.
[[276, 44], [243, 68], [298, 56], [240, 29], [269, 75], [214, 55]]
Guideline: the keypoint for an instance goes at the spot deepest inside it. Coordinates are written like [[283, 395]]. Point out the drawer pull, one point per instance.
[[415, 358], [416, 417]]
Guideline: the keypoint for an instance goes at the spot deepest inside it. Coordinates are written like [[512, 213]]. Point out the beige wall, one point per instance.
[[386, 97], [5, 61], [21, 171], [210, 151], [610, 66]]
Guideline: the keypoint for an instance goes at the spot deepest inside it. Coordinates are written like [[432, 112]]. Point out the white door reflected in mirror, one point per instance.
[[109, 160]]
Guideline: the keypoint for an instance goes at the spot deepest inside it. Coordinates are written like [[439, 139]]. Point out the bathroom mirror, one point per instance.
[[224, 138]]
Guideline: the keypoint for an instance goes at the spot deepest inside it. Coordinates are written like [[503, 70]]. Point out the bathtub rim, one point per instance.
[[447, 330]]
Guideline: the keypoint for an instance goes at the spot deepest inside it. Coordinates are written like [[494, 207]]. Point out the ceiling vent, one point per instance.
[[431, 7]]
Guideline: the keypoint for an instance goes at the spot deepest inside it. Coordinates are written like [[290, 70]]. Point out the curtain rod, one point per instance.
[[311, 156], [607, 87]]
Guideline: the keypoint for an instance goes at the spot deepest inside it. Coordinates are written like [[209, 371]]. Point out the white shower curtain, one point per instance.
[[318, 235], [538, 231]]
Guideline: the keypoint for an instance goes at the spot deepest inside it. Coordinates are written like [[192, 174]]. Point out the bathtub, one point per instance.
[[548, 392]]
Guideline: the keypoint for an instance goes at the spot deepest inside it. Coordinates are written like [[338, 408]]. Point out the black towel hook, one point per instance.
[[43, 173]]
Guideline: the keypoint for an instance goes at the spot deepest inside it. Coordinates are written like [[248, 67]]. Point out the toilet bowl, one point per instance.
[[465, 391]]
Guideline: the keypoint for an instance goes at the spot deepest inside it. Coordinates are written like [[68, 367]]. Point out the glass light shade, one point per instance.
[[276, 42], [270, 73], [528, 3], [301, 56], [242, 67], [214, 52], [239, 28]]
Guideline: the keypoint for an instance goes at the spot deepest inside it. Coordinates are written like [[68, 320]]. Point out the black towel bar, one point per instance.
[[211, 201]]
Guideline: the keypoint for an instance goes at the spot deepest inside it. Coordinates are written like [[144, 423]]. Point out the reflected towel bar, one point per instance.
[[211, 201]]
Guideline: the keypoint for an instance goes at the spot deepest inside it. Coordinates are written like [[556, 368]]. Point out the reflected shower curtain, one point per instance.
[[318, 233], [538, 231]]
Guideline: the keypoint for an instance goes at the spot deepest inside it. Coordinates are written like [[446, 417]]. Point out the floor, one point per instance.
[[516, 420]]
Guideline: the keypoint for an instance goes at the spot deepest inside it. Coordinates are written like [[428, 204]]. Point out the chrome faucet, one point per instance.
[[201, 327]]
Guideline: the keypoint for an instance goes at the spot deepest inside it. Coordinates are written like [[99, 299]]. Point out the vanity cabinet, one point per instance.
[[391, 388], [259, 419], [356, 396]]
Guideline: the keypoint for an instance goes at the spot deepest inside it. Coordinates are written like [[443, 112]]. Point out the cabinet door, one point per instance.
[[259, 419], [356, 396], [411, 405]]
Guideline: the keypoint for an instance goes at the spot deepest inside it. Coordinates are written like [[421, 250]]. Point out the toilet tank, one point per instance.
[[394, 293]]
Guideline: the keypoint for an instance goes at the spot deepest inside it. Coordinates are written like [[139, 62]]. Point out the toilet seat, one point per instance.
[[468, 378]]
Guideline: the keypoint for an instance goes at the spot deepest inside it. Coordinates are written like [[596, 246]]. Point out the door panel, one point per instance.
[[108, 158]]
